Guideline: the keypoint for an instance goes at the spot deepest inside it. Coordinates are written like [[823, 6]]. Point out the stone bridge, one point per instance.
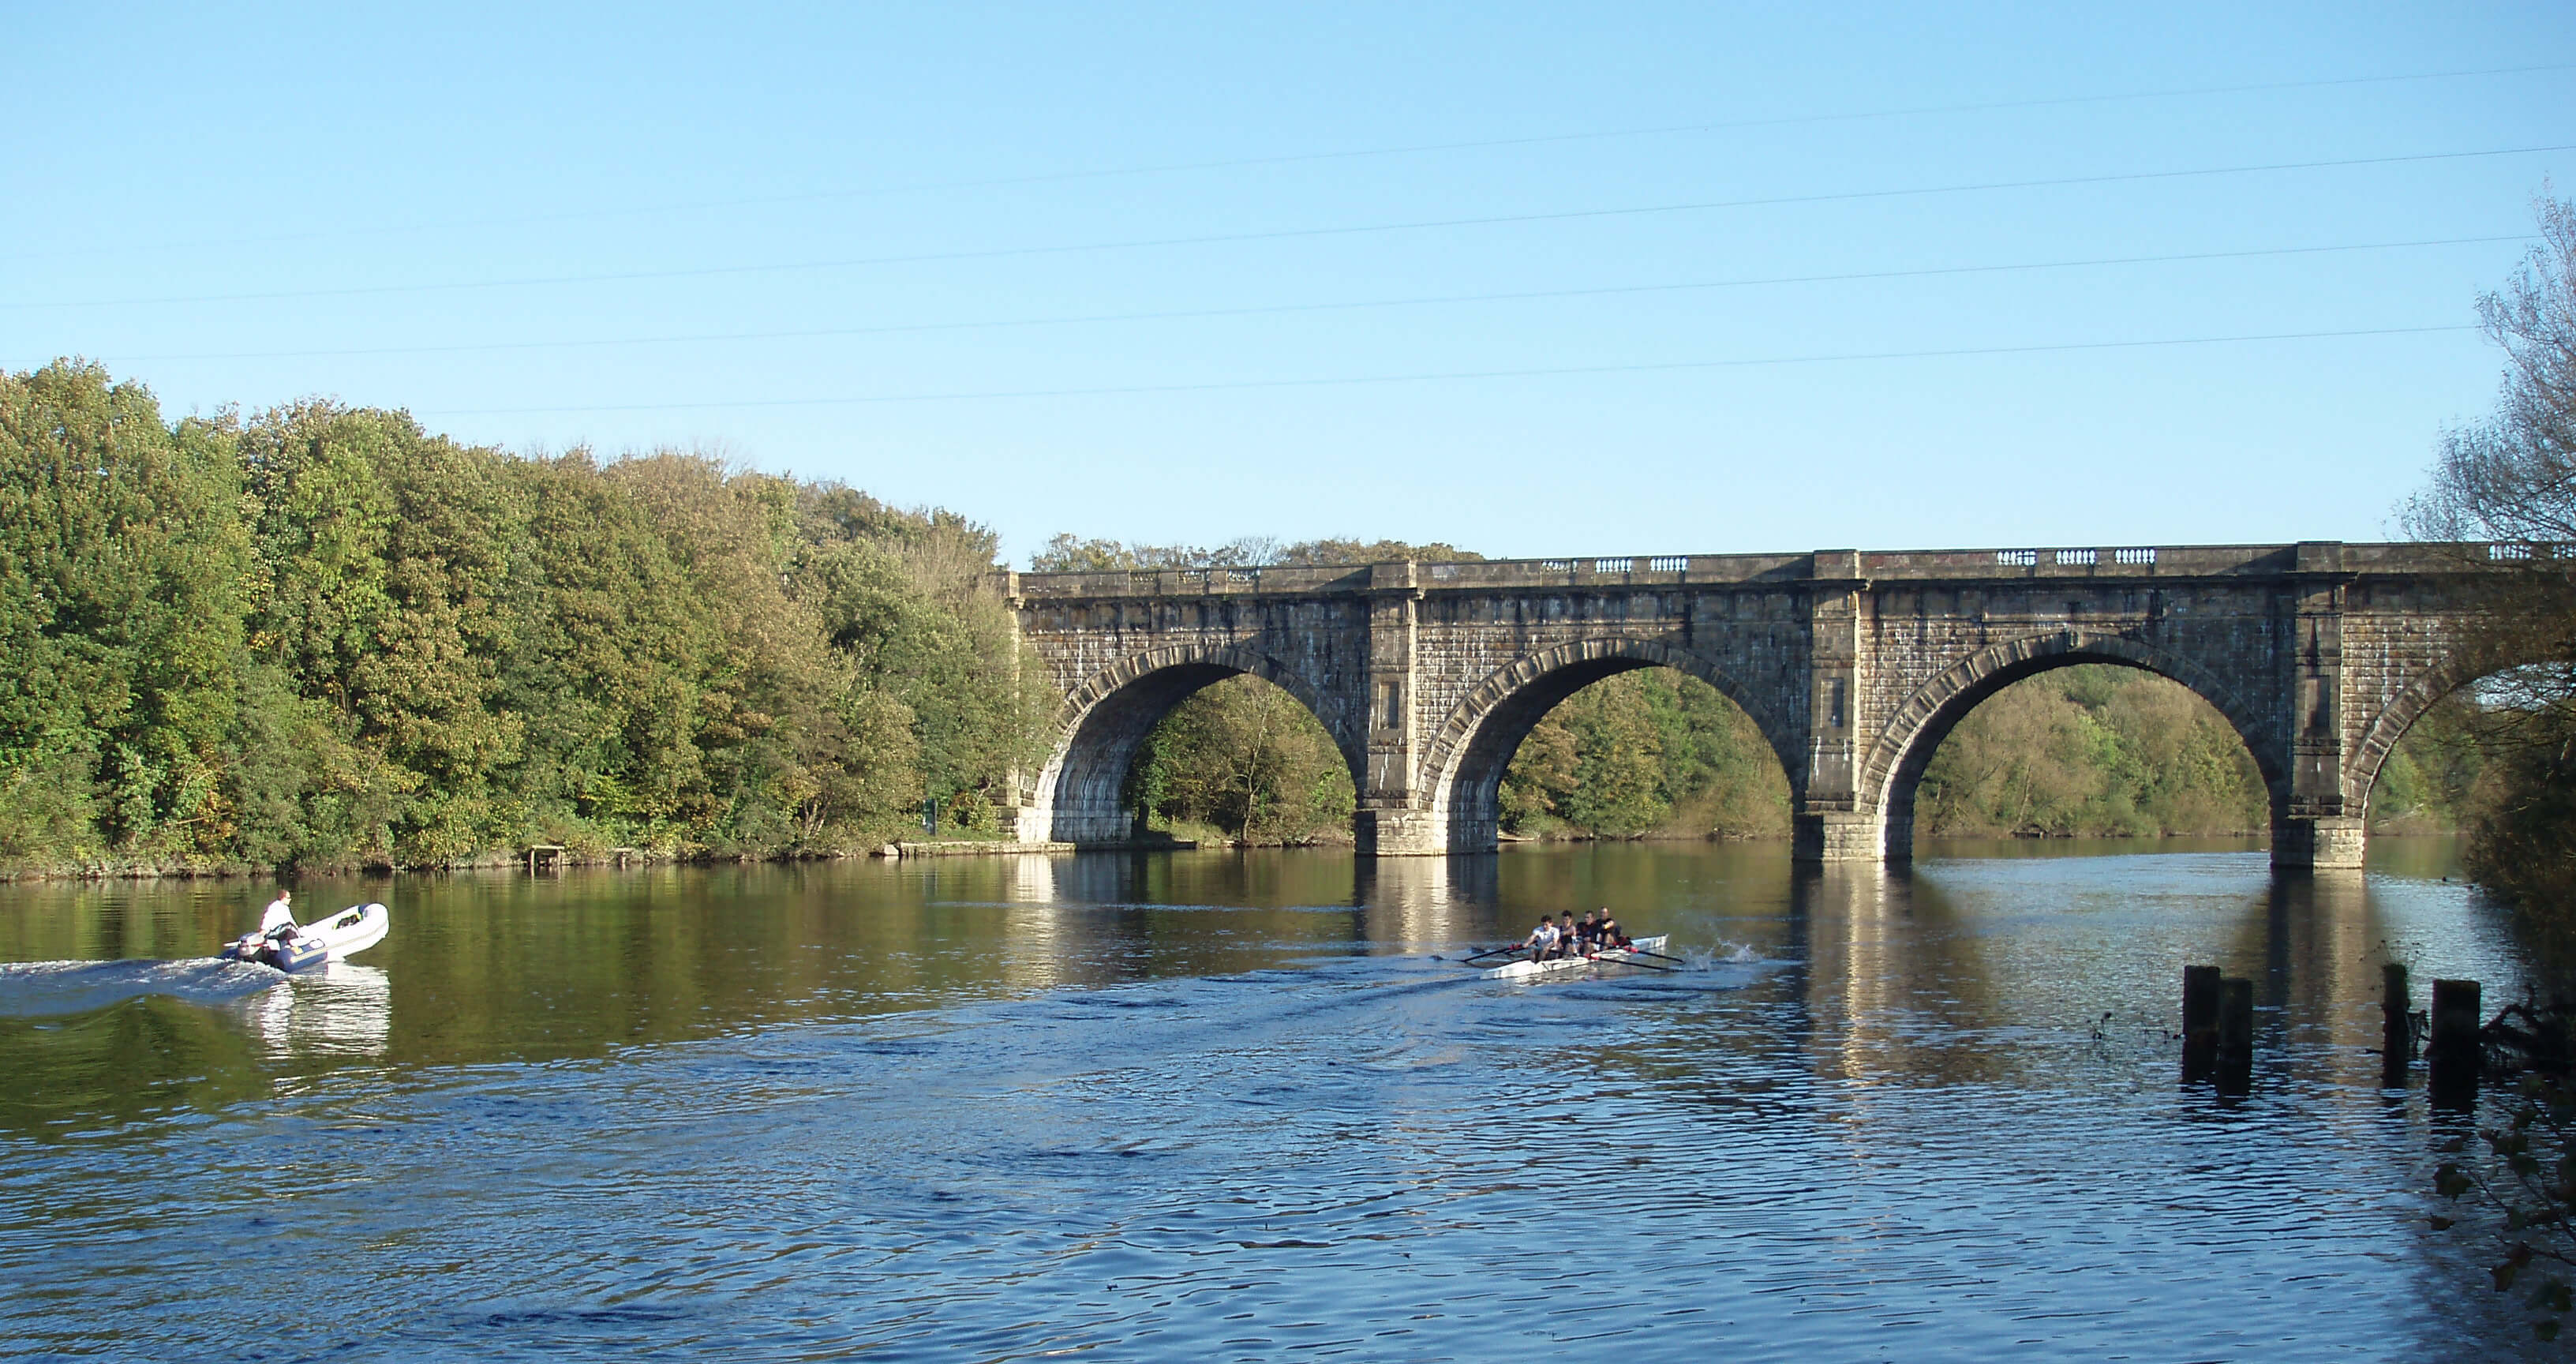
[[1854, 664]]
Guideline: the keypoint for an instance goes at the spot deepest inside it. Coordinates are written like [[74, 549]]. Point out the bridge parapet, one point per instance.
[[1698, 570]]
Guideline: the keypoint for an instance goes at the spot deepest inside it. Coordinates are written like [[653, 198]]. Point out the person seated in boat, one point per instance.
[[1608, 931], [279, 914], [1556, 942], [1542, 939], [1568, 944]]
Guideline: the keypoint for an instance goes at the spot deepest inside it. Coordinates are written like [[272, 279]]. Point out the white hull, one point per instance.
[[333, 937], [1535, 970], [351, 931]]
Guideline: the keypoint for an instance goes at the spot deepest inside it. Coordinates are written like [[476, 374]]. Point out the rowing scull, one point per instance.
[[1533, 970]]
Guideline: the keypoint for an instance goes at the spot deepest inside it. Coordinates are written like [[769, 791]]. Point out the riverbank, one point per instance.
[[498, 859]]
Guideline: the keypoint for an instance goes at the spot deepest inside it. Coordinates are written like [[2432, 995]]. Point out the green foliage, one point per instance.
[[2093, 749], [1646, 752], [902, 603], [326, 637], [2522, 819], [2430, 779], [1247, 759], [123, 564]]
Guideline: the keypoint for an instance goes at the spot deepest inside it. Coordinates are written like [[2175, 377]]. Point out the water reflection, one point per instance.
[[342, 1009], [1160, 1103], [1923, 973]]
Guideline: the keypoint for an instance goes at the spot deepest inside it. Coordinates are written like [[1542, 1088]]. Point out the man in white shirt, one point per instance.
[[280, 913], [1542, 939]]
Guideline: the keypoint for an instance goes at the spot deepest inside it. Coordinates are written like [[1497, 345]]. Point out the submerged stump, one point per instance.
[[2235, 1071], [2457, 1053], [2199, 1022], [2396, 1027]]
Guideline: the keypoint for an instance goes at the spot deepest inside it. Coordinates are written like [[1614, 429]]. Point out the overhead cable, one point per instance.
[[1437, 375], [1277, 309], [1287, 234], [1344, 154]]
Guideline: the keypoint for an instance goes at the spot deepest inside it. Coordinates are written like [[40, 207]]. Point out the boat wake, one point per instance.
[[40, 988]]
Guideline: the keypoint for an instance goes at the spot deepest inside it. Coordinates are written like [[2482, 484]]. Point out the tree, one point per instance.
[[1249, 759], [1651, 751], [327, 637], [123, 564], [2513, 476], [2512, 479], [2092, 750]]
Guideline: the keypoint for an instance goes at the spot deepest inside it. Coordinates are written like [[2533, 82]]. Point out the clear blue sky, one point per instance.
[[825, 240]]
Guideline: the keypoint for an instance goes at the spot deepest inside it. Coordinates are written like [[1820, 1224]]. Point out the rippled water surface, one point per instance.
[[1210, 1105]]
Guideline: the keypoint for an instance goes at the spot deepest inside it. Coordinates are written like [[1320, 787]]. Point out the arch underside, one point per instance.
[[1897, 763], [1109, 718], [2465, 667], [1474, 749]]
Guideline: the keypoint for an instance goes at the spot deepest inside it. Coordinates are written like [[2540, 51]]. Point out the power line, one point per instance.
[[1348, 154], [1443, 375], [1287, 234], [1269, 310]]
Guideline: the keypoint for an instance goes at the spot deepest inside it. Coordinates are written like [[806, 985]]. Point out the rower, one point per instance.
[[1541, 939], [1608, 930]]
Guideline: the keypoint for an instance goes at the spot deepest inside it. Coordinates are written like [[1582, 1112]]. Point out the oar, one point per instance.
[[1492, 952], [1644, 953]]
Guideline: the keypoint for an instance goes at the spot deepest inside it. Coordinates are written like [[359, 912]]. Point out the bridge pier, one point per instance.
[[2318, 842], [1841, 836], [1390, 831]]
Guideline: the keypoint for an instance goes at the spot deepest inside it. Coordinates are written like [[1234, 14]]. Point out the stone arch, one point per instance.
[[1106, 717], [1914, 731], [1466, 757], [2485, 656]]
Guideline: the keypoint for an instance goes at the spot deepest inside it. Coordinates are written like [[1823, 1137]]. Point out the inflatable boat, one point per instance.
[[294, 947]]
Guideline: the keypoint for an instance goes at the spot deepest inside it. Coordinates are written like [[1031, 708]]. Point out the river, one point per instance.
[[1238, 1105]]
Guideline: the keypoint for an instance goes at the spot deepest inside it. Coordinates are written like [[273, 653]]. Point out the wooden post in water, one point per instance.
[[2396, 1033], [2235, 1036], [2199, 1022], [2456, 1054]]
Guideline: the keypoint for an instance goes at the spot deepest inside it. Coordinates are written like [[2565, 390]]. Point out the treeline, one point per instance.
[[1642, 753], [2096, 750], [1243, 760], [321, 636]]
